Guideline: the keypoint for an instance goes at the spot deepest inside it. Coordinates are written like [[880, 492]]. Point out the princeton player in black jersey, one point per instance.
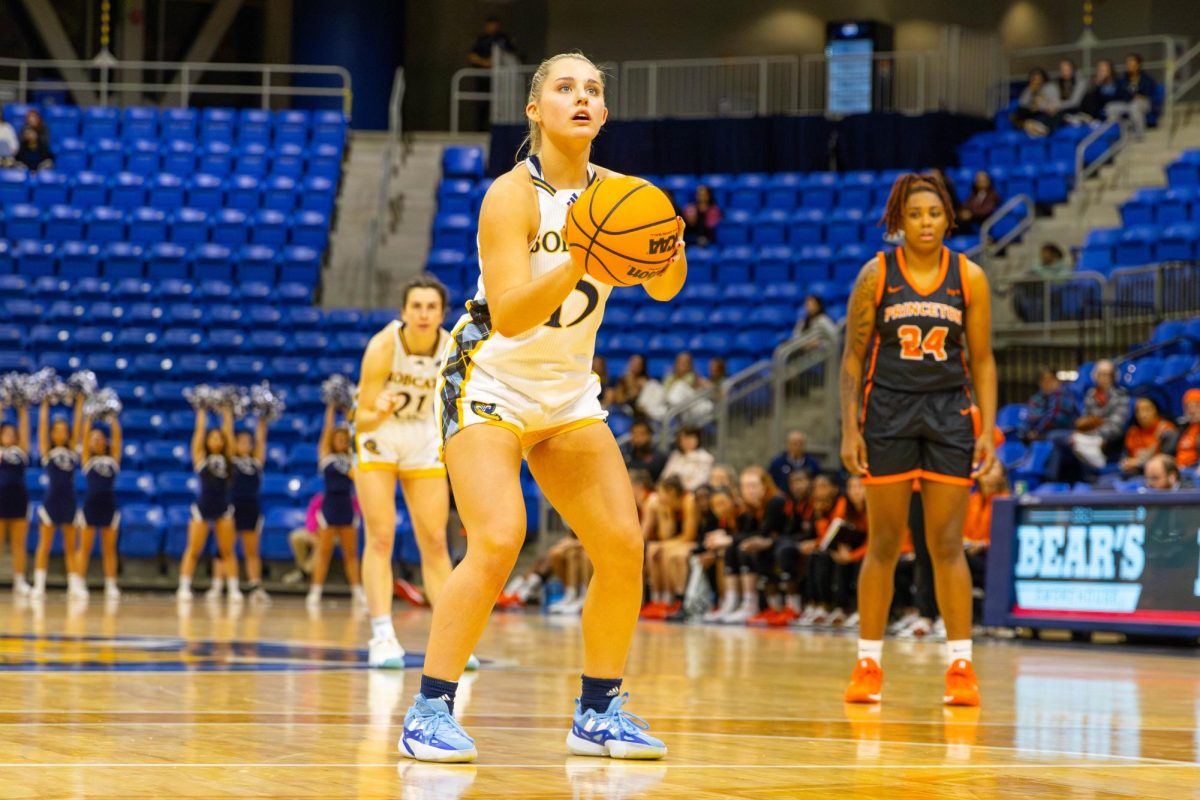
[[918, 316]]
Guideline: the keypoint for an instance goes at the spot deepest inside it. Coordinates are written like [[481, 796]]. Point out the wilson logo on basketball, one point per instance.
[[642, 274], [663, 244]]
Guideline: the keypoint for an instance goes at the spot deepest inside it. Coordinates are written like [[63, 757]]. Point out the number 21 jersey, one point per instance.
[[918, 343]]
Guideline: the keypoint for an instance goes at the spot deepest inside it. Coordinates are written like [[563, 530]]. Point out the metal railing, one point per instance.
[[179, 82], [1085, 169], [709, 87], [800, 366], [391, 160], [1062, 301], [988, 247]]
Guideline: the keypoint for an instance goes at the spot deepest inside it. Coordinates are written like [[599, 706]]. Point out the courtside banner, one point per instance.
[[1096, 561]]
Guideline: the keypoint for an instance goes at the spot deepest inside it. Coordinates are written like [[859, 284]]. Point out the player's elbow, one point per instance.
[[507, 322]]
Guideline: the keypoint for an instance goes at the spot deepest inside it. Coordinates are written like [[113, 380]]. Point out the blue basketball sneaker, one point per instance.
[[615, 733], [432, 734]]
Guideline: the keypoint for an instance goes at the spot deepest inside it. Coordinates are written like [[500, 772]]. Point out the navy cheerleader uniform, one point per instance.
[[100, 497], [247, 484], [212, 503], [60, 505], [337, 509], [14, 496]]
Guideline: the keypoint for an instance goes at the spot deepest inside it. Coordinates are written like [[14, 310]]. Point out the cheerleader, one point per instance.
[[14, 496], [250, 452], [337, 518], [59, 446], [211, 457], [101, 463]]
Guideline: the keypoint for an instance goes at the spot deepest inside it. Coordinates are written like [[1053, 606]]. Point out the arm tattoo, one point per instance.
[[860, 326]]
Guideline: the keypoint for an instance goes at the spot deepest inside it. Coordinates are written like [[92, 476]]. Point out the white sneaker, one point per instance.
[[851, 621], [805, 620], [259, 597], [213, 594], [919, 629], [183, 594], [472, 663], [313, 599], [20, 587], [938, 632], [903, 623], [728, 604], [358, 595], [836, 619], [112, 593], [37, 593], [77, 589], [739, 615], [236, 596], [384, 652]]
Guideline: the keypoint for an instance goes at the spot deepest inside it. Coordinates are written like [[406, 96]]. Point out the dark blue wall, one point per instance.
[[364, 36]]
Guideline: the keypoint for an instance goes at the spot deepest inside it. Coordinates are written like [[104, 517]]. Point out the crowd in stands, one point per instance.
[[31, 148], [1046, 105]]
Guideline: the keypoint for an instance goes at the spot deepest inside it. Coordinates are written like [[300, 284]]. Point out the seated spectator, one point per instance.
[[570, 564], [1037, 105], [1052, 408], [32, 154], [980, 204], [701, 218], [1162, 474], [724, 476], [1071, 89], [716, 372], [1104, 90], [303, 541], [640, 453], [689, 462], [35, 122], [850, 512], [977, 529], [670, 527], [1052, 262], [798, 542], [1099, 432], [762, 522], [1137, 90], [819, 579], [1148, 435], [815, 318], [794, 457], [8, 144], [683, 382], [1187, 454], [717, 532], [627, 389]]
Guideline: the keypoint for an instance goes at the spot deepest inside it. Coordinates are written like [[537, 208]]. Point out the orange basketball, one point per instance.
[[623, 230]]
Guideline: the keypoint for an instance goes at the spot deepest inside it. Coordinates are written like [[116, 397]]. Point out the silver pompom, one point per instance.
[[12, 389], [201, 397], [103, 405], [267, 402], [40, 385], [338, 391], [84, 382]]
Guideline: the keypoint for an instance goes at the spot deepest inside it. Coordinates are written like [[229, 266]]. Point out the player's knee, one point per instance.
[[885, 545], [945, 548], [497, 546], [622, 550]]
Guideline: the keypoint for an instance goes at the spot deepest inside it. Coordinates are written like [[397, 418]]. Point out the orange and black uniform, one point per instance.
[[916, 417]]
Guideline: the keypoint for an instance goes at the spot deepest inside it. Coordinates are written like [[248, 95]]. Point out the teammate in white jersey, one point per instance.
[[396, 437], [517, 382]]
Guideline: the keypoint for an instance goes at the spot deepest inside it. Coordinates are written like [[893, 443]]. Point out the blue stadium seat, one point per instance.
[[166, 191], [108, 367], [64, 120], [23, 221], [288, 159], [278, 523], [325, 161], [6, 259], [302, 458], [93, 339], [147, 224], [1136, 246], [34, 257], [13, 286], [212, 262], [256, 291], [14, 186], [167, 260], [100, 122], [257, 263], [280, 194], [217, 294], [189, 226], [205, 191], [63, 223], [217, 124], [299, 265], [291, 127], [179, 124], [131, 452], [49, 187], [175, 540], [269, 227], [230, 227], [127, 190], [249, 368], [184, 313], [123, 260], [1179, 241], [143, 531], [216, 158], [177, 487], [293, 293], [318, 194], [462, 162], [139, 122], [244, 192], [329, 127], [133, 487], [143, 157], [254, 127], [70, 154], [88, 189], [310, 229], [226, 340], [180, 157], [106, 156]]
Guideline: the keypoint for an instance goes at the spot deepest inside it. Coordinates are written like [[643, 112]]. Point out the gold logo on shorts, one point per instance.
[[485, 410], [370, 446]]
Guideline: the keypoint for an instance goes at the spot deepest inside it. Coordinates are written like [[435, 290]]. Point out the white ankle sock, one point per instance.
[[315, 590], [233, 585], [956, 649], [39, 579], [218, 584], [872, 649], [382, 627], [185, 581], [110, 583]]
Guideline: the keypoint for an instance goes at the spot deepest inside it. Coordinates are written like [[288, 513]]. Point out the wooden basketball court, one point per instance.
[[142, 701]]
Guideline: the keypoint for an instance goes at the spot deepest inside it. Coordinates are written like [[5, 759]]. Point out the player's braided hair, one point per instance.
[[907, 185]]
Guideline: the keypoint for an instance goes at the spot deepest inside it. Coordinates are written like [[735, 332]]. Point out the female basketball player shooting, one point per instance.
[[397, 438], [912, 309], [517, 381]]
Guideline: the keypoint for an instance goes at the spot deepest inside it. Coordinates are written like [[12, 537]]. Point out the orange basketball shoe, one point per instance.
[[866, 684], [962, 687]]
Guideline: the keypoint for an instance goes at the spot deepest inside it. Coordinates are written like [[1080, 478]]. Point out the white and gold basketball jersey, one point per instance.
[[414, 376], [551, 363]]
